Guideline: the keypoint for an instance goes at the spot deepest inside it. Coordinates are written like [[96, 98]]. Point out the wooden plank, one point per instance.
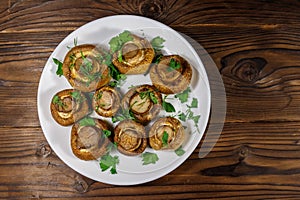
[[261, 78], [244, 164], [31, 15]]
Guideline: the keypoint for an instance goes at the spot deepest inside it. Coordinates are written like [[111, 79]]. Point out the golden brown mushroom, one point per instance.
[[69, 106], [88, 140], [144, 102], [166, 133], [106, 101], [171, 75], [84, 67], [134, 57], [130, 137]]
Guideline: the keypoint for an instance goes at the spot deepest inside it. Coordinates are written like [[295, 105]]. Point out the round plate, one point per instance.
[[130, 170]]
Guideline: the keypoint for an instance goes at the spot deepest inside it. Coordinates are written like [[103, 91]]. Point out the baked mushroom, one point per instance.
[[88, 138], [144, 102], [84, 67], [130, 137], [69, 106], [134, 56], [166, 133], [106, 101], [171, 75]]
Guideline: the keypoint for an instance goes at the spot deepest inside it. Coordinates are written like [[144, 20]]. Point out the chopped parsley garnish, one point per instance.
[[87, 121], [157, 43], [189, 114], [77, 96], [173, 65], [111, 146], [117, 42], [165, 138], [168, 107], [126, 114], [194, 103], [179, 151], [107, 161], [157, 58], [56, 100], [149, 158], [59, 64], [75, 41], [183, 97], [99, 95], [149, 94], [107, 133]]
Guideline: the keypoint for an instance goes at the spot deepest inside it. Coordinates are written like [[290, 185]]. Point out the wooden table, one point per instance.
[[255, 45]]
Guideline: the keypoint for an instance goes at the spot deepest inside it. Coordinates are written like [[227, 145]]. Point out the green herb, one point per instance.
[[74, 42], [157, 58], [179, 151], [157, 43], [125, 114], [168, 107], [117, 42], [194, 103], [120, 57], [99, 95], [149, 158], [59, 64], [107, 133], [182, 117], [183, 97], [87, 121], [77, 96], [173, 65], [56, 100], [107, 161], [149, 94], [165, 138], [111, 146], [118, 83]]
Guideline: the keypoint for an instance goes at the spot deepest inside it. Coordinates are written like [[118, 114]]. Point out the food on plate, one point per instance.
[[171, 75], [85, 68], [131, 53], [106, 101], [144, 102], [89, 138], [130, 137], [69, 106], [166, 133]]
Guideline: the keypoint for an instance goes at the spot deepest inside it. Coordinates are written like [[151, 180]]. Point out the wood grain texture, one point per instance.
[[256, 47], [245, 163]]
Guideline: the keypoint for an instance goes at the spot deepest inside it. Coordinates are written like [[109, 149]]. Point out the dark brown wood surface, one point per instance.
[[256, 47]]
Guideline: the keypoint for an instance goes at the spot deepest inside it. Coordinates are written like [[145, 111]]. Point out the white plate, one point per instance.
[[130, 169]]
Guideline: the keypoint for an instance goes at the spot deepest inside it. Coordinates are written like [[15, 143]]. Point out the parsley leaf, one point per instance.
[[107, 161], [165, 138], [179, 151], [194, 103], [59, 64], [87, 121], [183, 97], [173, 65], [182, 116], [56, 100], [157, 43], [149, 158], [107, 133], [125, 114], [117, 42], [149, 94], [168, 107], [157, 58], [77, 96]]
